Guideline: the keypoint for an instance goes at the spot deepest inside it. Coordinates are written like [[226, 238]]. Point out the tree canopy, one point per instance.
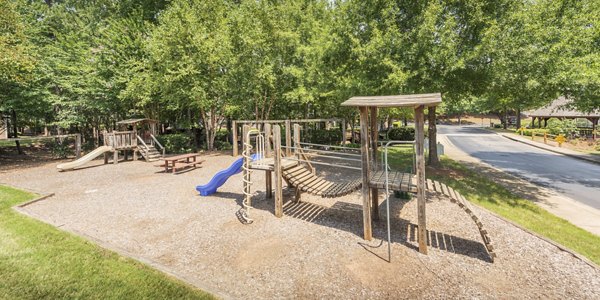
[[194, 63]]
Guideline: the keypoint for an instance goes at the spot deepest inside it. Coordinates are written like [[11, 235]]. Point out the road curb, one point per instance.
[[580, 157]]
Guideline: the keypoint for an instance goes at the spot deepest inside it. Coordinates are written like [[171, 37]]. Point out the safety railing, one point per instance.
[[157, 143]]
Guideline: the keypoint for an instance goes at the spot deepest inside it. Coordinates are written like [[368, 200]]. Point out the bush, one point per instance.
[[223, 145], [60, 149], [528, 131], [324, 136], [402, 134], [176, 143], [566, 127]]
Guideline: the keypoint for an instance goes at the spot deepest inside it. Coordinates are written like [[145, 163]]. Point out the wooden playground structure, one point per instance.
[[127, 141], [291, 162], [288, 124]]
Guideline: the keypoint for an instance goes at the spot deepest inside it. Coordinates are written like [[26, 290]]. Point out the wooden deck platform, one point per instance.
[[399, 181], [267, 164]]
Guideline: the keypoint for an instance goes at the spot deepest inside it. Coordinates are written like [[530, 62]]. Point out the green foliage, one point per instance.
[[176, 143], [564, 127], [323, 136], [60, 149], [401, 134], [40, 261], [193, 63]]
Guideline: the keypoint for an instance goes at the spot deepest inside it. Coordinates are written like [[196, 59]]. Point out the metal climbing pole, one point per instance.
[[244, 212]]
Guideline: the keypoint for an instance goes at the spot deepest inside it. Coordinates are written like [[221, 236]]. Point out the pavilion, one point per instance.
[[559, 109]]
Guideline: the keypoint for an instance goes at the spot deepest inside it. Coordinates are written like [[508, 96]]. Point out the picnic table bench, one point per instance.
[[178, 162]]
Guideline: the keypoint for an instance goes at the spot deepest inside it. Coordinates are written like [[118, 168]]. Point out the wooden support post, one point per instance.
[[278, 171], [420, 138], [268, 140], [366, 172], [297, 140], [297, 192], [134, 143], [78, 145], [343, 127], [374, 140], [288, 137], [234, 138], [115, 157], [268, 185], [105, 158]]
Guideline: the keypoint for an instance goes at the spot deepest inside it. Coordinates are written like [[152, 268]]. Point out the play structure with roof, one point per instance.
[[134, 136], [293, 163]]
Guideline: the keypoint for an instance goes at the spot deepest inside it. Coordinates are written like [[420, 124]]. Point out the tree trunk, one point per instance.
[[15, 131], [505, 123], [434, 160], [210, 124], [519, 118]]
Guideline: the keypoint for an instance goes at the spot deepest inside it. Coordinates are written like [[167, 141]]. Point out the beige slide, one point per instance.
[[84, 159]]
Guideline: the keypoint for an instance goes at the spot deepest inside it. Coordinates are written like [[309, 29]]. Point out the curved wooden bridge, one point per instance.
[[305, 180]]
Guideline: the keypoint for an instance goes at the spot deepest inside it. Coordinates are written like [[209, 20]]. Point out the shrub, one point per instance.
[[528, 131], [60, 149], [402, 134], [223, 145], [324, 136], [176, 143], [566, 127]]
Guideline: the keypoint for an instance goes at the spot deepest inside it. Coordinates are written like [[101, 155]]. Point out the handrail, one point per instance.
[[158, 143], [303, 154], [330, 146], [142, 140]]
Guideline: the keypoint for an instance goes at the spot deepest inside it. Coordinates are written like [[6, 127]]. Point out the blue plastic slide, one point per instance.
[[222, 176]]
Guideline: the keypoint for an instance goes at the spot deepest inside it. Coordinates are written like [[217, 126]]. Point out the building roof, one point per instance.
[[395, 100], [558, 108], [134, 121]]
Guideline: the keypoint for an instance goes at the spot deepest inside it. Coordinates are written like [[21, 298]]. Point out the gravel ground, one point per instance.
[[314, 251]]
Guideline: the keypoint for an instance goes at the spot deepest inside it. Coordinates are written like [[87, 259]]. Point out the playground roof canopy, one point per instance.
[[558, 108], [395, 100], [135, 121]]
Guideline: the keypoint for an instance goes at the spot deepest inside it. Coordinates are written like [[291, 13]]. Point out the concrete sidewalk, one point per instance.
[[563, 151]]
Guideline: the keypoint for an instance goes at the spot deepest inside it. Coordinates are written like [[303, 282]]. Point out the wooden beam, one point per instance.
[[234, 138], [420, 138], [343, 127], [283, 121], [278, 171], [288, 137], [298, 155], [374, 139], [268, 184], [366, 170], [267, 140]]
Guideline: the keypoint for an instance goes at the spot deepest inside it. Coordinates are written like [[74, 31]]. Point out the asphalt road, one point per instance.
[[576, 179]]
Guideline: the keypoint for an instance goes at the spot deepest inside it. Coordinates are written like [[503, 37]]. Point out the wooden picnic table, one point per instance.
[[181, 161]]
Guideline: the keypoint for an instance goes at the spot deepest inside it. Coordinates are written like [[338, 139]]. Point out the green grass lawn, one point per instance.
[[496, 198], [40, 261]]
